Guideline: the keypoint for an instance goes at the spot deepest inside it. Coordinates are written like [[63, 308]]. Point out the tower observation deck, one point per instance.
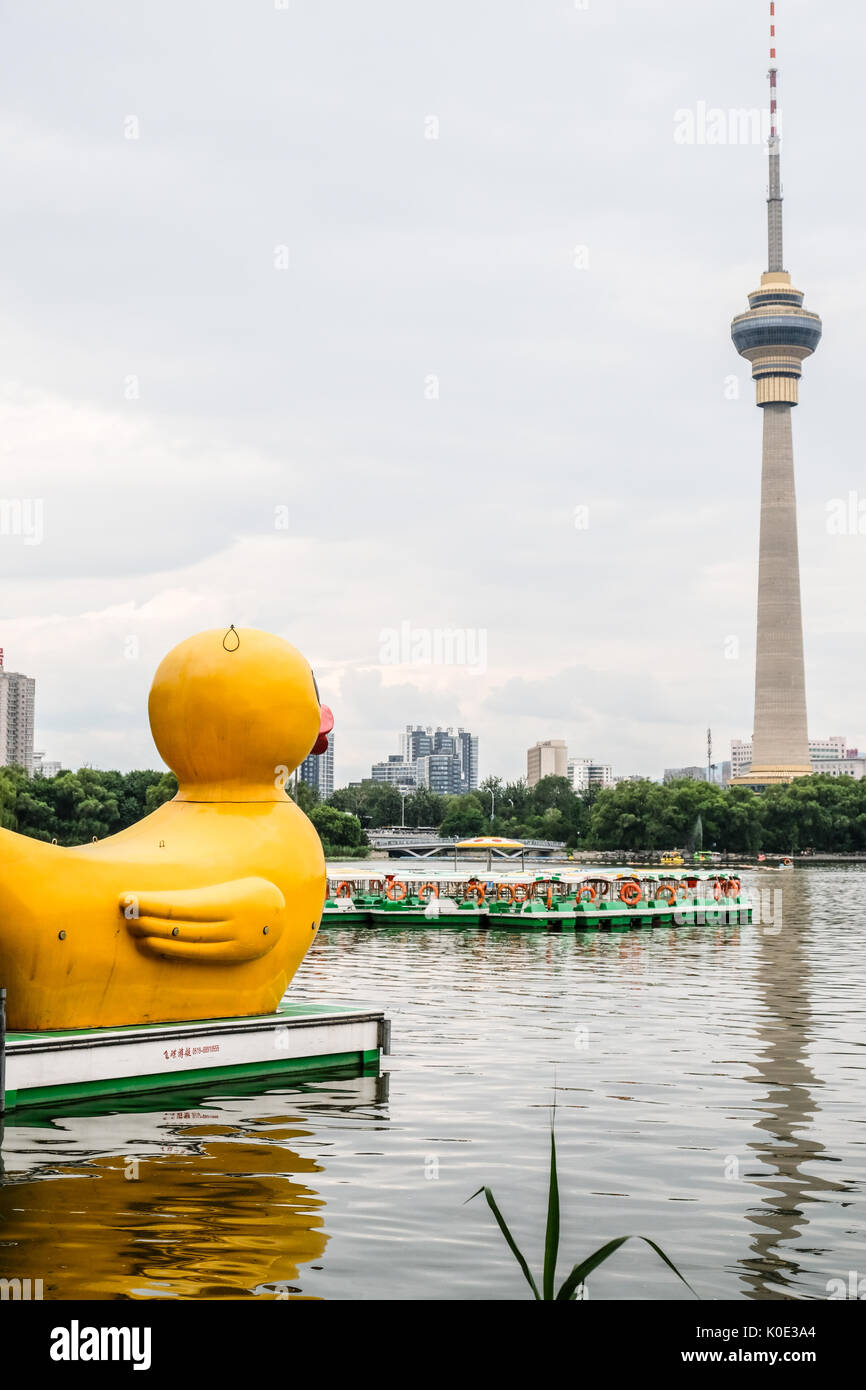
[[775, 335]]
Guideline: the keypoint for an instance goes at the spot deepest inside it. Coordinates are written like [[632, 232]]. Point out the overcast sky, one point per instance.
[[346, 319]]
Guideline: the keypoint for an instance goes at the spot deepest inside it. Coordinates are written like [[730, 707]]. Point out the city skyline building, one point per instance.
[[546, 759], [43, 767], [440, 772], [396, 770], [420, 743], [584, 773], [17, 706], [688, 774], [832, 756], [440, 760], [317, 770], [775, 335]]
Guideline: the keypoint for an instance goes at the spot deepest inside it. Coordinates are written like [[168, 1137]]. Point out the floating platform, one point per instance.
[[58, 1067]]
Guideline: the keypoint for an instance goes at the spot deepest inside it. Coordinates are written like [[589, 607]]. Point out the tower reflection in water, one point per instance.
[[199, 1198], [790, 1105]]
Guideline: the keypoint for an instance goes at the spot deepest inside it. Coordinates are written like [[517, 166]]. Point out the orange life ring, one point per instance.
[[587, 888], [427, 888], [391, 894], [348, 888], [717, 889], [504, 887], [476, 890], [666, 889], [525, 895], [683, 887], [630, 893], [732, 887]]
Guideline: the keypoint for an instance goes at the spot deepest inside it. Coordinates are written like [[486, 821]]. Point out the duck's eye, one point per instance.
[[316, 688]]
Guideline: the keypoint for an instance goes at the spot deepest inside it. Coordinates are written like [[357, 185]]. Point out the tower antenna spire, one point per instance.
[[774, 201]]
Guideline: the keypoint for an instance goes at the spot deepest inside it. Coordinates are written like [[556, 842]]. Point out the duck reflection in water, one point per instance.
[[210, 1199]]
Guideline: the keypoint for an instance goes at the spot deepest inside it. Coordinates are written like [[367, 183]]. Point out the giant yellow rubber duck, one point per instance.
[[206, 908]]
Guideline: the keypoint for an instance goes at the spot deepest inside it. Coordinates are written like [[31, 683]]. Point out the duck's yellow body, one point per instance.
[[204, 909]]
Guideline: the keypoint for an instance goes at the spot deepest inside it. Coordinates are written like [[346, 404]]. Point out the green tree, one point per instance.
[[306, 796], [162, 790], [425, 808], [374, 803], [337, 828], [464, 816], [11, 779]]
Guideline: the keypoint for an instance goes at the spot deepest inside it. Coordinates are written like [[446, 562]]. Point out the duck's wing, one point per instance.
[[239, 920]]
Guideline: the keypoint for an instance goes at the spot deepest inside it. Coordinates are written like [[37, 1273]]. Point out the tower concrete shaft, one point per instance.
[[776, 334], [780, 741]]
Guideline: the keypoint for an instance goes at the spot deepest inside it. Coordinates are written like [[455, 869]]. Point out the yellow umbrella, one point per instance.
[[490, 843]]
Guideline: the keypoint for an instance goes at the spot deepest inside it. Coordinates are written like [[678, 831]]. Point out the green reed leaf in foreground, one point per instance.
[[512, 1244], [581, 1272], [551, 1235]]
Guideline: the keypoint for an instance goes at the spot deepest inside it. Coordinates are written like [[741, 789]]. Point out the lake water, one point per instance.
[[710, 1095]]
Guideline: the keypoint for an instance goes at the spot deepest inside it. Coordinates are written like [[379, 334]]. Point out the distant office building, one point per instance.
[[17, 700], [828, 755], [741, 756], [317, 770], [719, 774], [547, 759], [583, 773], [467, 752], [43, 768], [396, 771], [440, 772], [419, 744], [842, 767]]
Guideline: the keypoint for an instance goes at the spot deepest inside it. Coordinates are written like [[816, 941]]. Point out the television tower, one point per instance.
[[775, 335]]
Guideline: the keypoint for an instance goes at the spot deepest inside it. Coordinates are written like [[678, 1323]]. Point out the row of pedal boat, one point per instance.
[[594, 900]]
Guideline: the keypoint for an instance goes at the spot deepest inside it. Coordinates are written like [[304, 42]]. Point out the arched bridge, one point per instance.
[[408, 844]]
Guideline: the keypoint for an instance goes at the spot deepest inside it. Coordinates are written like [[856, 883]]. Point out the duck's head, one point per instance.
[[233, 713]]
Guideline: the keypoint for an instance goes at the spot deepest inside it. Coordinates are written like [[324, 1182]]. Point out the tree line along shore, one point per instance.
[[820, 813]]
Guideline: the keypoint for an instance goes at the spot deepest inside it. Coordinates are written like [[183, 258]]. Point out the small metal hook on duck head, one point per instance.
[[232, 640]]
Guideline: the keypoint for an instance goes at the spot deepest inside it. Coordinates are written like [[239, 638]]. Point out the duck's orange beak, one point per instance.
[[327, 724]]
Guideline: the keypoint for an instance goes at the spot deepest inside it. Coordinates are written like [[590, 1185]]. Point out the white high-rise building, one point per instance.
[[583, 773], [43, 767], [829, 755], [17, 700]]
